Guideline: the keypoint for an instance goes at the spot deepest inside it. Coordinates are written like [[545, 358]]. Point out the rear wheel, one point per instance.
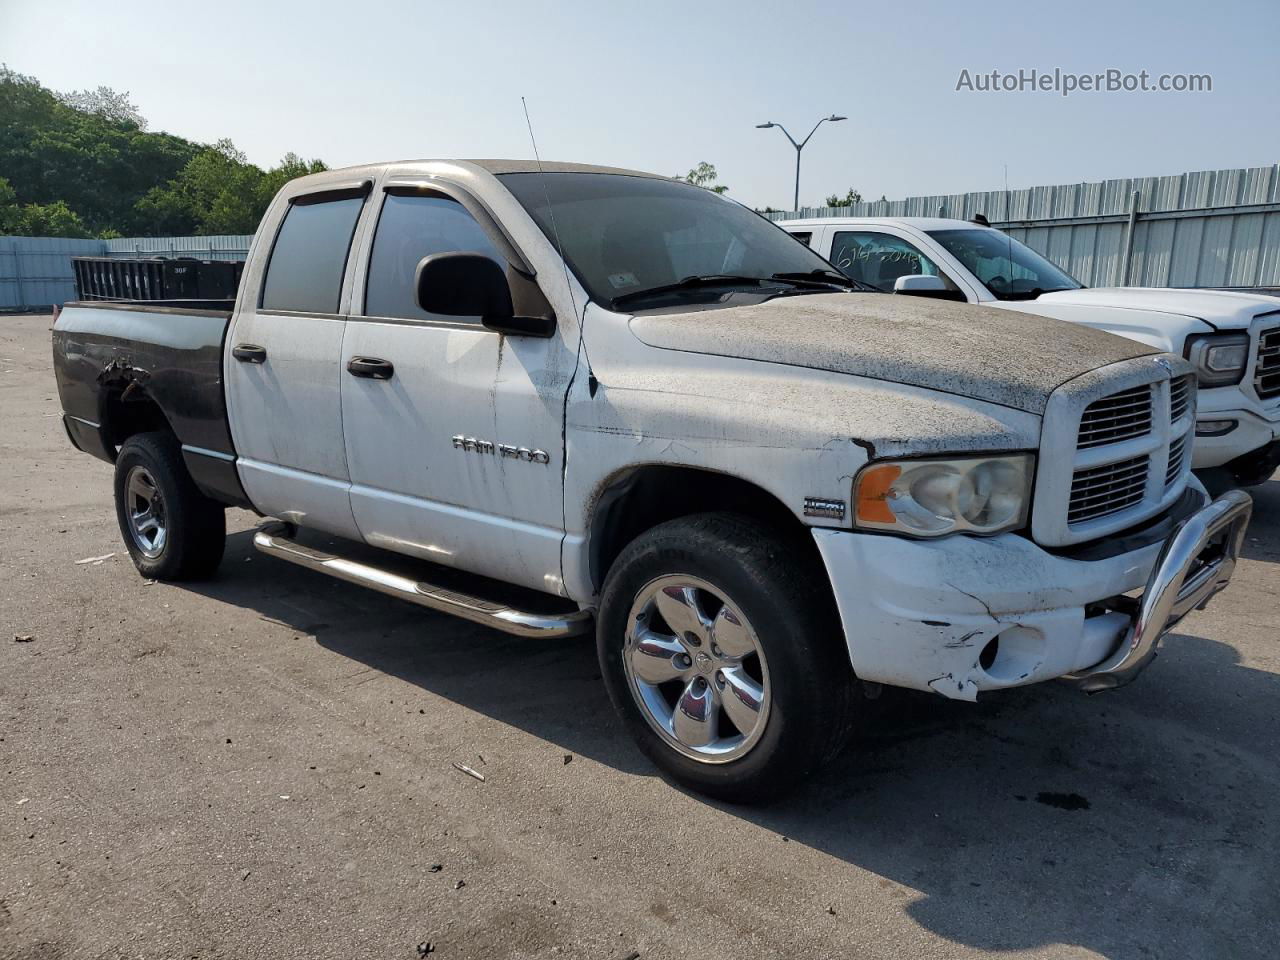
[[723, 656], [172, 530]]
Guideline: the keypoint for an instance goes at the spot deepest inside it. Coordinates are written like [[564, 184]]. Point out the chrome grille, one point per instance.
[[1110, 488], [1176, 450], [1117, 417], [1266, 373], [1179, 398]]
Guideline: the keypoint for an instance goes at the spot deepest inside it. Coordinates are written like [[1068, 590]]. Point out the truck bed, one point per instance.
[[118, 364]]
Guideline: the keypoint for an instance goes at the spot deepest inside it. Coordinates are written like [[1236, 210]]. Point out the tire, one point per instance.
[[183, 535], [756, 587]]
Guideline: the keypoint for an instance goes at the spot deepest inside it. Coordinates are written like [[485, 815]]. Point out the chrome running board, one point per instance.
[[274, 540]]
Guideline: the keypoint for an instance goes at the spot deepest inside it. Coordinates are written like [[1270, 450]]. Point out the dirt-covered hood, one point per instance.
[[1001, 356]]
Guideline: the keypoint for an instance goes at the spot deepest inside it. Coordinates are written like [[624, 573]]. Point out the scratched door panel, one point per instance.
[[426, 447]]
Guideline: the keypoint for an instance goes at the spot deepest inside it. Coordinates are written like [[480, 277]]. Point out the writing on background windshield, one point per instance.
[[1009, 269], [623, 235], [879, 259]]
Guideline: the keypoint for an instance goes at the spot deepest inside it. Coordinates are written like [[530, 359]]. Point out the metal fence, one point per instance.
[[203, 248], [36, 272], [1214, 228]]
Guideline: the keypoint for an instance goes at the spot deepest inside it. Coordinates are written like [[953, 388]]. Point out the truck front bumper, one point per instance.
[[963, 614], [1229, 426]]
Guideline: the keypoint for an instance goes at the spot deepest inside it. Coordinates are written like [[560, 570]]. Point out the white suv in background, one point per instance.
[[1232, 339]]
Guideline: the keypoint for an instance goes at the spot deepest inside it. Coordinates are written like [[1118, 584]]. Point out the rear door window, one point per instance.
[[309, 258], [411, 227]]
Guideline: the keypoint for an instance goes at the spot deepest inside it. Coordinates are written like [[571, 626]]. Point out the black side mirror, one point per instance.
[[472, 285]]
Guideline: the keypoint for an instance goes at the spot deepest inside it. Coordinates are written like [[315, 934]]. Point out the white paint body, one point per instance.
[[373, 460], [1160, 317]]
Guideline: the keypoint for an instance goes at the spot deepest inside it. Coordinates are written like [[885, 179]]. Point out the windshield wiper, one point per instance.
[[827, 278], [815, 280], [690, 283]]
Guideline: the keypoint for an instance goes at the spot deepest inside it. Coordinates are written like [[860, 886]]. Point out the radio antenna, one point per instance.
[[555, 230]]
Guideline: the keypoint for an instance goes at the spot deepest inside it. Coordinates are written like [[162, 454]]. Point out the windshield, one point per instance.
[[1009, 269], [625, 235]]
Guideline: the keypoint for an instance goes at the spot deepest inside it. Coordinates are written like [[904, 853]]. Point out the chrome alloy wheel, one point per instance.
[[144, 506], [696, 669]]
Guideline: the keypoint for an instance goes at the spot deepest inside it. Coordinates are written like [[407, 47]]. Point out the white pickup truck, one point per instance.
[[1231, 338], [650, 412]]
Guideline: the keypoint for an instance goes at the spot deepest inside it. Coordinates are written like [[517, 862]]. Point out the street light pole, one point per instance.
[[799, 146]]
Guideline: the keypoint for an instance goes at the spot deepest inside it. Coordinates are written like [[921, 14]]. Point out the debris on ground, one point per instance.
[[468, 771], [568, 759], [425, 947], [460, 884], [23, 637], [436, 867], [245, 875], [96, 561]]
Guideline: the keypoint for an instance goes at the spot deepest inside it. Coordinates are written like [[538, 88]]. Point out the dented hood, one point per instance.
[[1001, 356]]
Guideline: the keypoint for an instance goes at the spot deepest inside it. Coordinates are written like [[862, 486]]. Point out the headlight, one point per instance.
[[1220, 358], [930, 498]]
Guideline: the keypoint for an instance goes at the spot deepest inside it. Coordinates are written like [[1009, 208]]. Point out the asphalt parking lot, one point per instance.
[[261, 766]]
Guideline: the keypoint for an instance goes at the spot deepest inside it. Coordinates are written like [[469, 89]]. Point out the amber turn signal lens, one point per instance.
[[873, 493]]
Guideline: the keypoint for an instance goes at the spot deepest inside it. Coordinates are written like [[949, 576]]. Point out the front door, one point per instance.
[[453, 432], [282, 368], [879, 258]]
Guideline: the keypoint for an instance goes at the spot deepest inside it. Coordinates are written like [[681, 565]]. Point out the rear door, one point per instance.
[[454, 433], [283, 364]]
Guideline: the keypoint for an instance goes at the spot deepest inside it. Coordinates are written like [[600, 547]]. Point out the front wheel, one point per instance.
[[171, 529], [722, 653]]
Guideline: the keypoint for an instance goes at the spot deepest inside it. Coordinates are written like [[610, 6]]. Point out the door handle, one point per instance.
[[249, 353], [371, 368]]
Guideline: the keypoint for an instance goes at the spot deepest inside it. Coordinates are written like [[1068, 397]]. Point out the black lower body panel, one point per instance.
[[86, 436], [216, 475]]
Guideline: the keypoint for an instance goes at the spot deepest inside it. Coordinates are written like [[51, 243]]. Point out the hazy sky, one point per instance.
[[660, 86]]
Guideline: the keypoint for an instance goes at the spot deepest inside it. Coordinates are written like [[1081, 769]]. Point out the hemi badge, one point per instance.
[[830, 509]]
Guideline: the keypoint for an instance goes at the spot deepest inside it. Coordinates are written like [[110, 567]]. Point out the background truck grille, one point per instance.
[[1117, 417], [1100, 491], [1179, 397], [1266, 374]]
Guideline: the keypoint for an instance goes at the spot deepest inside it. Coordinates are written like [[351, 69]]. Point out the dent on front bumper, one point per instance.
[[920, 613]]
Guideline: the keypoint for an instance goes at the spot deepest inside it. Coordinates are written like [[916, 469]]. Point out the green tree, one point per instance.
[[90, 152], [106, 103], [848, 200], [704, 175], [98, 165], [52, 220], [37, 220], [10, 212], [219, 192]]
